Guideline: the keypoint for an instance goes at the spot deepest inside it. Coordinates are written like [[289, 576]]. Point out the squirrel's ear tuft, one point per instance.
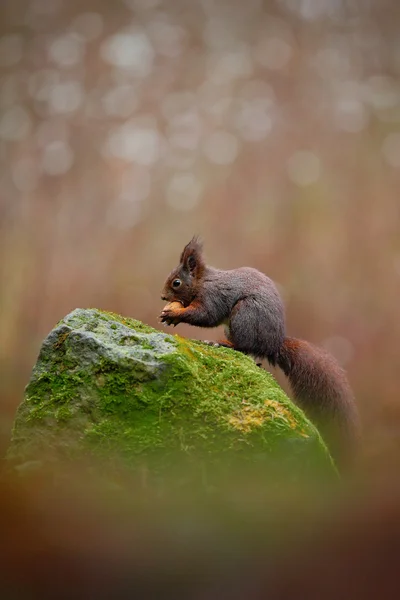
[[192, 256]]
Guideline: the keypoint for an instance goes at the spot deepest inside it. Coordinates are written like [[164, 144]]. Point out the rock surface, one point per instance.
[[108, 386]]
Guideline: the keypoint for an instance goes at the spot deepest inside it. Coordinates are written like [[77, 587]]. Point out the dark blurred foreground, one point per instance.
[[76, 536]]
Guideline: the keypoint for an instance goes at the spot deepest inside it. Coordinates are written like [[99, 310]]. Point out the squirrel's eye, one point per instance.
[[176, 283]]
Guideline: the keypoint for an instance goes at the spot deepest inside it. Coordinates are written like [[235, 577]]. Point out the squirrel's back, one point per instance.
[[255, 322]]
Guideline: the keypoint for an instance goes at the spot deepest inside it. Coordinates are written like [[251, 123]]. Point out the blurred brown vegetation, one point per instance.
[[272, 129], [85, 539]]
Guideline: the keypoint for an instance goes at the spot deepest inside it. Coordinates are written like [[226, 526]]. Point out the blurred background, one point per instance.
[[270, 128]]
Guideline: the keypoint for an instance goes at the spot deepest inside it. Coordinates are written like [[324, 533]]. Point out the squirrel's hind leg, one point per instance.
[[219, 344], [227, 344]]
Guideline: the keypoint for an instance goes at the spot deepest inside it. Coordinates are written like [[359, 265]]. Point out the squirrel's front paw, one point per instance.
[[168, 320], [170, 315]]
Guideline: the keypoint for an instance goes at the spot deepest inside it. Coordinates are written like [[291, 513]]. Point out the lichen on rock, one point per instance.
[[108, 386]]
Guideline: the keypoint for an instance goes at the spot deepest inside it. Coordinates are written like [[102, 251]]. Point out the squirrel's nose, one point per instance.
[[164, 298]]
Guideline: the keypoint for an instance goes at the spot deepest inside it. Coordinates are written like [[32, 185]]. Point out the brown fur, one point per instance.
[[321, 388], [190, 272], [225, 343], [192, 254]]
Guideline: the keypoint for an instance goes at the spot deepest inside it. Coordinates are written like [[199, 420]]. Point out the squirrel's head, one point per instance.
[[182, 283]]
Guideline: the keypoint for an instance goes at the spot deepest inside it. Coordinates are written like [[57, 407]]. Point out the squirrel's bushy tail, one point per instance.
[[321, 389]]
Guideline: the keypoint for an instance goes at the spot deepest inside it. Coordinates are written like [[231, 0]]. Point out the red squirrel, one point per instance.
[[249, 305]]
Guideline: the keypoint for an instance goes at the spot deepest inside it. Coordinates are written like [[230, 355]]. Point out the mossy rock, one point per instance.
[[110, 387]]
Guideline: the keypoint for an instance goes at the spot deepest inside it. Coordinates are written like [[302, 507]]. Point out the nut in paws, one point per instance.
[[169, 314]]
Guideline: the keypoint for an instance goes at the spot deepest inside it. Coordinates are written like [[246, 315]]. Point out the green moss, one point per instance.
[[129, 322], [106, 391]]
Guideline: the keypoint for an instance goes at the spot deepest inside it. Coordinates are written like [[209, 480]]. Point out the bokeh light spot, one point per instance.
[[66, 97], [67, 50], [351, 115], [228, 66], [303, 168], [183, 192], [167, 39], [129, 51], [221, 147], [57, 159], [135, 142]]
